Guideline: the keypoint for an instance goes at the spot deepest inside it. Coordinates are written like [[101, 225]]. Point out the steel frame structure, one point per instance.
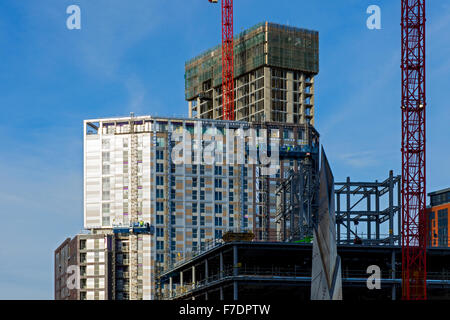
[[298, 202], [413, 151], [361, 202]]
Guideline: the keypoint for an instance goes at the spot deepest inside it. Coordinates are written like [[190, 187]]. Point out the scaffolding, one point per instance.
[[297, 202], [265, 44], [134, 253], [358, 204]]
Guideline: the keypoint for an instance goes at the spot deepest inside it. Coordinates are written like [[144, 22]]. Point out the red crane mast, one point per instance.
[[414, 219], [227, 60]]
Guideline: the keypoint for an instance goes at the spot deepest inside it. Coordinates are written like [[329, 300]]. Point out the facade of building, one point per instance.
[[438, 222], [188, 202], [275, 67], [89, 255]]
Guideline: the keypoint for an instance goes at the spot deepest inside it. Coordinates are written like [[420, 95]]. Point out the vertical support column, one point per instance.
[[206, 270], [290, 96], [391, 207], [394, 297], [313, 102], [369, 217], [267, 94], [193, 277], [235, 290], [170, 287], [283, 196], [339, 216], [221, 265], [377, 209], [348, 209], [221, 293], [181, 280], [235, 261]]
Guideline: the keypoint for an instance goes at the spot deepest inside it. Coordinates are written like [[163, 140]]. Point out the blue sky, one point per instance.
[[129, 56]]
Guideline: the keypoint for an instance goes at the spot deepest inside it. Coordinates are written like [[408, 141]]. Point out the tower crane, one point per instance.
[[227, 60], [414, 230]]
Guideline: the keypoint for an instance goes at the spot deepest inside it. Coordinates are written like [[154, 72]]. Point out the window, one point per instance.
[[202, 169], [194, 182], [218, 234], [159, 193], [231, 209], [194, 195], [159, 219], [218, 208], [218, 183], [217, 170], [159, 155], [105, 143], [159, 167], [230, 169], [194, 208], [194, 169], [159, 180], [105, 195], [159, 245], [202, 233], [194, 233], [202, 195], [105, 221], [173, 219], [443, 227], [245, 222], [159, 232], [231, 196], [160, 142], [105, 207], [106, 169], [218, 221], [202, 220], [218, 196], [159, 257], [159, 206], [105, 156], [202, 182], [231, 222], [202, 208]]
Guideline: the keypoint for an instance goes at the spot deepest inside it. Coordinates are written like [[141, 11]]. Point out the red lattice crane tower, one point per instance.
[[414, 230], [227, 60]]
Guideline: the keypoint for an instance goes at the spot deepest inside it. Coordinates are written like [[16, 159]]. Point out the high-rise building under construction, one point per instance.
[[131, 179], [274, 72]]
